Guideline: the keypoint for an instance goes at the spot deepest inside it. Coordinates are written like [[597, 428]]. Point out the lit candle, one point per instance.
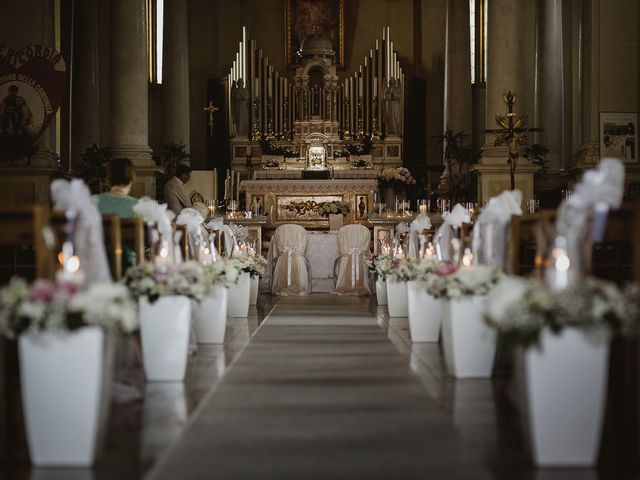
[[467, 258], [423, 209], [375, 86]]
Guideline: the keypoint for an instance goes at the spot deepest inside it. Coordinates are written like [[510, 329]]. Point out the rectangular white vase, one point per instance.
[[425, 313], [239, 296], [210, 316], [381, 291], [469, 343], [61, 377], [397, 298], [566, 382], [164, 328]]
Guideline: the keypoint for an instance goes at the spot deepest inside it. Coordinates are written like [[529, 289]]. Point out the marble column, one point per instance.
[[549, 94], [86, 79], [457, 73], [510, 54], [589, 153], [175, 73], [129, 87]]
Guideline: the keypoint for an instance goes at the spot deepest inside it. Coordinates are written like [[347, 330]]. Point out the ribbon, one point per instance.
[[355, 253], [289, 251]]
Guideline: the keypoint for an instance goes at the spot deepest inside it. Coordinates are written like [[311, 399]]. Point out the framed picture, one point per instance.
[[619, 135], [301, 18], [362, 207]]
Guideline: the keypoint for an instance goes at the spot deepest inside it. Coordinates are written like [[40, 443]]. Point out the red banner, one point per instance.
[[32, 87]]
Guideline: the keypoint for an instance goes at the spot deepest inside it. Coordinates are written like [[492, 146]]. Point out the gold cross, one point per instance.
[[211, 109]]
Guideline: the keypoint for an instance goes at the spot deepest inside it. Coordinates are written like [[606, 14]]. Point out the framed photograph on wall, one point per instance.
[[619, 135], [302, 16]]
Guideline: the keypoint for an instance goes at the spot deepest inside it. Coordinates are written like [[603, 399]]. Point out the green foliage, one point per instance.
[[458, 157], [537, 153], [93, 170], [173, 154], [269, 147], [360, 146]]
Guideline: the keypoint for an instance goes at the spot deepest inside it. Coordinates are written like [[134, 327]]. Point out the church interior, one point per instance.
[[337, 239]]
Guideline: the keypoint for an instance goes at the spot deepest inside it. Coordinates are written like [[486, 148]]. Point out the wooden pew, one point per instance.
[[23, 243], [132, 233]]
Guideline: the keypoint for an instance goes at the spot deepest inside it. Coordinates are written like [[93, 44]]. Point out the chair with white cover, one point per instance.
[[291, 271], [353, 277]]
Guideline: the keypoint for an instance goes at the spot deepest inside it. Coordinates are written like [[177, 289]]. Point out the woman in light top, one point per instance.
[[118, 201]]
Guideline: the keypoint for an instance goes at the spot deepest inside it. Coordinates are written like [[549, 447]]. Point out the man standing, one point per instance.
[[174, 193]]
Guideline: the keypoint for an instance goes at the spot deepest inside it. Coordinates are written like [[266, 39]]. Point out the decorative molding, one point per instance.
[[308, 186]]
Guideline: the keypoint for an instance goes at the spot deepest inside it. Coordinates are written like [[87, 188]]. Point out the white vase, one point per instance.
[[565, 383], [381, 291], [210, 316], [425, 313], [254, 286], [397, 298], [239, 296], [469, 343], [164, 329], [62, 389]]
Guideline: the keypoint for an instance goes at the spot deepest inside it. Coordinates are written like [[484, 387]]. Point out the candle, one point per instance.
[[467, 258], [256, 88], [375, 86], [423, 209]]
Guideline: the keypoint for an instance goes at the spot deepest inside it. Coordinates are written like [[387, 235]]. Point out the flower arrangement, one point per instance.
[[360, 163], [423, 268], [519, 309], [255, 265], [334, 208], [401, 270], [450, 282], [224, 272], [396, 177], [380, 264], [152, 281], [64, 306]]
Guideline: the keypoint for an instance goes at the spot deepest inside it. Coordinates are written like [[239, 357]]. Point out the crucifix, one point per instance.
[[513, 133], [211, 109]]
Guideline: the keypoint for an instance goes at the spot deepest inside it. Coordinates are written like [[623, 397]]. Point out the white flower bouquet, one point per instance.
[[380, 264], [255, 265], [334, 208], [401, 270], [519, 308], [223, 272], [63, 306], [450, 282], [152, 281], [423, 268], [396, 175]]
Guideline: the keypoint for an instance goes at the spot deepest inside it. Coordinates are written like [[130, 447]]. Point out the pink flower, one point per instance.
[[161, 277], [445, 269], [43, 290], [68, 287]]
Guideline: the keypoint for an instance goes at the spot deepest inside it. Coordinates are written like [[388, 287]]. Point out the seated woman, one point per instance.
[[118, 201]]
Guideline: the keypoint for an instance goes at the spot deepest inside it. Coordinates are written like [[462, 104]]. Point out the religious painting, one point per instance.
[[619, 136], [301, 18], [32, 86], [362, 206], [298, 208]]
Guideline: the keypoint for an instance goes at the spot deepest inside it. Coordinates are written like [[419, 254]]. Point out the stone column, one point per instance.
[[457, 75], [589, 153], [175, 73], [549, 95], [129, 90], [509, 24], [86, 79]]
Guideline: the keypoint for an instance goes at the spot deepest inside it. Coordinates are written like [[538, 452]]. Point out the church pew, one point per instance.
[[527, 242], [23, 243], [132, 233]]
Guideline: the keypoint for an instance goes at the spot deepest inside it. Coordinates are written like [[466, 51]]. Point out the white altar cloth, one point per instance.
[[322, 251]]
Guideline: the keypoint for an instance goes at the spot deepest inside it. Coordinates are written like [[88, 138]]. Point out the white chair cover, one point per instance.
[[74, 198], [291, 272], [353, 245]]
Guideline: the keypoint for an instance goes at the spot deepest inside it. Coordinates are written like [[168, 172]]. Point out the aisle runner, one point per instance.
[[307, 400]]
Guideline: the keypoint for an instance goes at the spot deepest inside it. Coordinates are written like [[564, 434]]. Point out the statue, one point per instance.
[[240, 107], [392, 107]]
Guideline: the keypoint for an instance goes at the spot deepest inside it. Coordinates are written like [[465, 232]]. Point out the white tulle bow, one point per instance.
[[156, 214], [229, 237], [456, 217], [191, 219], [421, 223], [73, 198], [603, 184]]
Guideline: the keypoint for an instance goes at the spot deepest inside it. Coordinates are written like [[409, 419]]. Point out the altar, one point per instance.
[[299, 201]]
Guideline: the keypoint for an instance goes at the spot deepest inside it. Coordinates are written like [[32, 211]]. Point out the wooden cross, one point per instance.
[[513, 133], [211, 109]]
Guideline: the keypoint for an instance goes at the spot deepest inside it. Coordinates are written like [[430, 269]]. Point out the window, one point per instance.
[[478, 40], [155, 24]]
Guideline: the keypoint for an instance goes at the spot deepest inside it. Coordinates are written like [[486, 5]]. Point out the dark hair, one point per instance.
[[182, 169], [121, 171]]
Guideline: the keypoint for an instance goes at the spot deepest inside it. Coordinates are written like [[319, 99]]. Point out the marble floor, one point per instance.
[[311, 387]]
